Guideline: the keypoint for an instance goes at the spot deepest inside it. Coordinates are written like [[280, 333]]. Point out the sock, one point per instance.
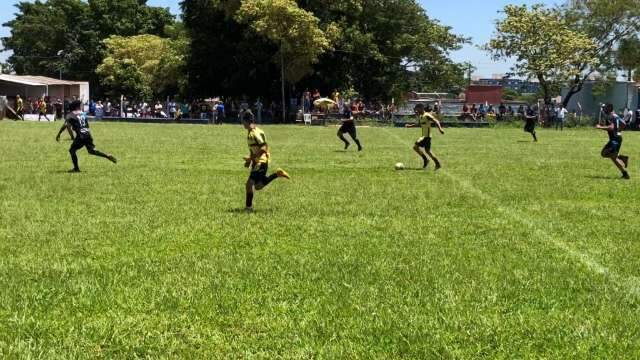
[[346, 143], [425, 160], [249, 202], [535, 138], [358, 143], [99, 154], [74, 159]]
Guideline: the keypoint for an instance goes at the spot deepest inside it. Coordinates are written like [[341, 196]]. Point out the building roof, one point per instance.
[[36, 80]]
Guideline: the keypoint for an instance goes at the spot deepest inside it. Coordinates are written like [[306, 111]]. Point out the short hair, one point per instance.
[[608, 108], [75, 105], [418, 107], [247, 116]]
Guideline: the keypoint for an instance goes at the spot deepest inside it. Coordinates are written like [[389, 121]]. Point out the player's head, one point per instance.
[[608, 108], [75, 105], [248, 120], [419, 109]]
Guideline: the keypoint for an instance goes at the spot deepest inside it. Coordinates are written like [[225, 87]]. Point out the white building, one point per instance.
[[38, 86]]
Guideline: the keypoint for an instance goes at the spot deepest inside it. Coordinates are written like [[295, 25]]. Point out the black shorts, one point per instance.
[[259, 174], [80, 142], [424, 142], [612, 148], [348, 127], [530, 126]]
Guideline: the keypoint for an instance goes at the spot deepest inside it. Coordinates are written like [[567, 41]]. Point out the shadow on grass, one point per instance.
[[254, 211], [602, 177]]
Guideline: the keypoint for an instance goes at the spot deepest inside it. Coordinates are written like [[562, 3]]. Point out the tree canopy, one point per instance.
[[53, 35]]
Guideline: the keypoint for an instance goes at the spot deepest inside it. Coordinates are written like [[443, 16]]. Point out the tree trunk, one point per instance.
[[284, 106]]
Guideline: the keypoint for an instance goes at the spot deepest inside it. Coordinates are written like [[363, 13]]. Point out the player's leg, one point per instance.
[[427, 149], [91, 148], [249, 194], [70, 132], [75, 146], [611, 151], [417, 147], [341, 137], [354, 136], [261, 179]]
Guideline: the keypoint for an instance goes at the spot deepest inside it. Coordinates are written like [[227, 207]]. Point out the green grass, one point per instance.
[[512, 250]]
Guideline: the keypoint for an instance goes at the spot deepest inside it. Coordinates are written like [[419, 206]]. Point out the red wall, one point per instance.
[[477, 94]]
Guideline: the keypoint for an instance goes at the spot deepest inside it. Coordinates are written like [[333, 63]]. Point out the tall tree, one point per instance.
[[66, 35], [544, 46], [142, 66], [293, 30], [628, 56]]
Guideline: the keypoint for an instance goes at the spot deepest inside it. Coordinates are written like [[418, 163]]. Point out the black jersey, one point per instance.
[[79, 124]]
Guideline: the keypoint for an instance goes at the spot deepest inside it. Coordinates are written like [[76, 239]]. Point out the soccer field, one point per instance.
[[513, 250]]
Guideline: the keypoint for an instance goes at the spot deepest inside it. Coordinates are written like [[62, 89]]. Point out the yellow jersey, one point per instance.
[[19, 104], [424, 121], [256, 141]]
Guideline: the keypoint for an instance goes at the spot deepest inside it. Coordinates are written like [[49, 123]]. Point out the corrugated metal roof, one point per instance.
[[36, 80]]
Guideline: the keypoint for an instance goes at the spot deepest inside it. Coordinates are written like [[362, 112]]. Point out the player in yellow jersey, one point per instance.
[[424, 143], [258, 160], [19, 107]]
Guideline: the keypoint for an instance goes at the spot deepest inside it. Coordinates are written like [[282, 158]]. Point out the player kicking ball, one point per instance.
[[612, 149], [348, 127], [258, 160], [423, 145], [77, 120]]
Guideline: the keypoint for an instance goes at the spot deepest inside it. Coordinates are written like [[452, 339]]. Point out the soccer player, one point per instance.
[[424, 143], [531, 118], [258, 160], [19, 107], [77, 120], [612, 149], [348, 127], [42, 108]]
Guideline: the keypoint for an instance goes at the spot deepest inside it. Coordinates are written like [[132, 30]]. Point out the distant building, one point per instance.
[[38, 86], [521, 86], [621, 94], [480, 94]]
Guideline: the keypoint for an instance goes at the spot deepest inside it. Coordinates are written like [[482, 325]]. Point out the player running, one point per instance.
[[348, 127], [612, 149], [42, 109], [77, 120], [424, 143], [258, 160], [531, 118]]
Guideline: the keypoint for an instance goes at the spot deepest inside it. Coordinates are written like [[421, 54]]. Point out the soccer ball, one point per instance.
[[399, 166]]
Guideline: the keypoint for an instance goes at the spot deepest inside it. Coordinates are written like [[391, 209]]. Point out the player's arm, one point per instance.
[[602, 127], [63, 128], [437, 122]]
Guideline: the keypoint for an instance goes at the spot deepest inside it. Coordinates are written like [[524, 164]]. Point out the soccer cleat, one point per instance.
[[438, 166], [625, 160], [112, 159], [283, 174], [346, 146], [74, 171], [359, 148], [248, 209], [626, 176]]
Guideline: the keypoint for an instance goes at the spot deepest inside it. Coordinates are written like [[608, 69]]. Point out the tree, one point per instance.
[[628, 56], [607, 23], [66, 35], [142, 66], [544, 47], [294, 31]]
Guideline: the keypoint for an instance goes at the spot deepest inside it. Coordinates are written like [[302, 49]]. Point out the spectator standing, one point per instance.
[[108, 108], [99, 110], [172, 109], [259, 107], [92, 107], [19, 107], [561, 115], [220, 116], [42, 109], [306, 101]]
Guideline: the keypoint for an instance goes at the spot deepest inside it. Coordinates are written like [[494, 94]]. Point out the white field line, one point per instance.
[[631, 284]]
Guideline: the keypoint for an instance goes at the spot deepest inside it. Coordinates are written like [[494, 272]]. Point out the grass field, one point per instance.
[[512, 250]]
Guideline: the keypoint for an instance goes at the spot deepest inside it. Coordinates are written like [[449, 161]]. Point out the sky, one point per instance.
[[470, 18]]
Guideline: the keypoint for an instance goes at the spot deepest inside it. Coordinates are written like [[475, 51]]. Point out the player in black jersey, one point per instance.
[[77, 120], [348, 127], [611, 150], [531, 118]]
